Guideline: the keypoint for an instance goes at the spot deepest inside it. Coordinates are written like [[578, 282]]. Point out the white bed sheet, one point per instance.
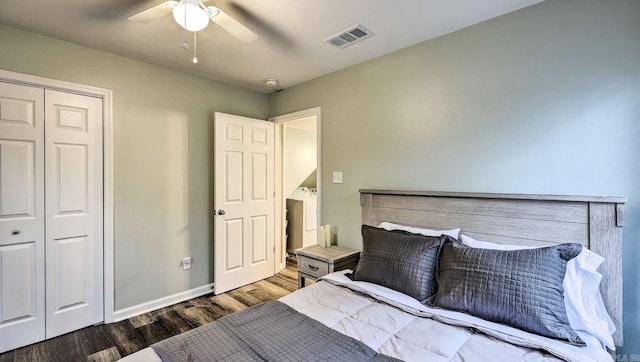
[[592, 352]]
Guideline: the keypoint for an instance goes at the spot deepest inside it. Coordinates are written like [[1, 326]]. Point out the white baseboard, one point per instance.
[[136, 310]]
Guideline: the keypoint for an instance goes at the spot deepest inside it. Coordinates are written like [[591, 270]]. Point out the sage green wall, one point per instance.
[[163, 152], [542, 100]]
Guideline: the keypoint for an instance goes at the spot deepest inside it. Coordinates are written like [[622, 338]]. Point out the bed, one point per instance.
[[459, 265]]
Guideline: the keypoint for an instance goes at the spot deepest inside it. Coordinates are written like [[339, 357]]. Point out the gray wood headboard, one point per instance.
[[594, 221]]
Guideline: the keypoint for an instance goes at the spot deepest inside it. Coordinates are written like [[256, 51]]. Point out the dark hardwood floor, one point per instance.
[[109, 342]]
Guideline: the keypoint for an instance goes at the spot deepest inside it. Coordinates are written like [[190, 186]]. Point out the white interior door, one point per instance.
[[22, 278], [74, 222], [244, 201]]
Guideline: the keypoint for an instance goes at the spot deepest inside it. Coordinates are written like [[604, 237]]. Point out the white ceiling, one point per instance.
[[291, 43]]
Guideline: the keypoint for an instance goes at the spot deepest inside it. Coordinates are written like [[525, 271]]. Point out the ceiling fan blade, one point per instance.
[[234, 27], [153, 13]]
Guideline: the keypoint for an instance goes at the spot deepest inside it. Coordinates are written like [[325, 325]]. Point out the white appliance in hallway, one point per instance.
[[302, 219]]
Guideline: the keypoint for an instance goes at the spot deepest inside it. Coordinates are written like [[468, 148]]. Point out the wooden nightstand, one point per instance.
[[316, 261]]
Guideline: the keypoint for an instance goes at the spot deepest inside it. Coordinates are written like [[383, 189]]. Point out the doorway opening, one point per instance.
[[298, 176]]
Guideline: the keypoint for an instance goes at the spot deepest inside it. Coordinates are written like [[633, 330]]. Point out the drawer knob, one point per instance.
[[15, 232], [313, 267]]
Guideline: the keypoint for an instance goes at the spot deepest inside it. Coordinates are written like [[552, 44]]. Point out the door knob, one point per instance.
[[221, 212]]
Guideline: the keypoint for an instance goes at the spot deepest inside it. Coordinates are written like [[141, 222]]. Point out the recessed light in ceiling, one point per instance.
[[271, 82]]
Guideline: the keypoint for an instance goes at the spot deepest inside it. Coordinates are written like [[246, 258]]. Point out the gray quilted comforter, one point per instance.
[[271, 331]]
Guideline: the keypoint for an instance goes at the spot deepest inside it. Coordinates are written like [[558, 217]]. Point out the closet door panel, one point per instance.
[[74, 212], [18, 283], [17, 172], [71, 185], [70, 278], [22, 216]]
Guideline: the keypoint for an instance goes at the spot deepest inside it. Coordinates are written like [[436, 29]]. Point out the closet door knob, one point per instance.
[[221, 212], [15, 232]]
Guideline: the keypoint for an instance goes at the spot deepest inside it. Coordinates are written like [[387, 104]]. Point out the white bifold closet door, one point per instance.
[[51, 214], [22, 291], [73, 222]]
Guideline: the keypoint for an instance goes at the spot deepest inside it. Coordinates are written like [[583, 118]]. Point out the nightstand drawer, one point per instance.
[[315, 261], [312, 267]]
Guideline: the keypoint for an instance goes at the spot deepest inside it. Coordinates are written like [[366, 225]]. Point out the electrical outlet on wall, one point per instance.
[[337, 177], [186, 263]]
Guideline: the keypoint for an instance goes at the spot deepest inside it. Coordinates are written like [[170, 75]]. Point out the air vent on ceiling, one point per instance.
[[350, 36]]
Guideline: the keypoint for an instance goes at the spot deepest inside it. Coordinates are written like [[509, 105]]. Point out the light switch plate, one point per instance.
[[337, 177]]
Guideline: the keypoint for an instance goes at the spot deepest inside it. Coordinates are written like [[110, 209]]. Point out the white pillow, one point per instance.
[[583, 301], [426, 232]]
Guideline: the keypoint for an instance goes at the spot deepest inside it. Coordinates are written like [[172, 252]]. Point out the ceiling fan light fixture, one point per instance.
[[190, 15]]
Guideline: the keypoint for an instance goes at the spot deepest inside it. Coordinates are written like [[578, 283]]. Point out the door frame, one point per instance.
[[280, 209], [107, 166]]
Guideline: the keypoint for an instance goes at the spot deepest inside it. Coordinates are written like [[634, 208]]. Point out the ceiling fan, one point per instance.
[[194, 16]]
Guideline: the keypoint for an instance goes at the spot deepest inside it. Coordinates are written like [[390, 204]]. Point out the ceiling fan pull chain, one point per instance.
[[195, 49], [185, 44]]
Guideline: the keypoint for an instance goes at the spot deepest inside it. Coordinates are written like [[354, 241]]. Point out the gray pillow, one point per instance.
[[521, 288], [399, 260]]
